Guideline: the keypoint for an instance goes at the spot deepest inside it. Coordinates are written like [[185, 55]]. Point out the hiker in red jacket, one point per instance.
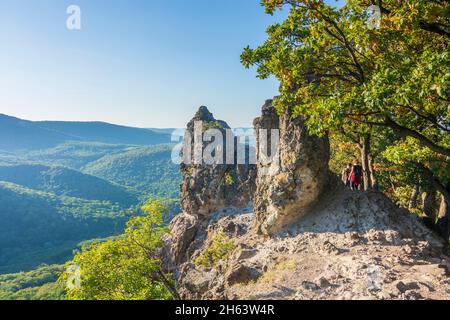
[[356, 176]]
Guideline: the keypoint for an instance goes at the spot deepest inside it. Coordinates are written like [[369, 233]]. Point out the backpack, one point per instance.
[[357, 171]]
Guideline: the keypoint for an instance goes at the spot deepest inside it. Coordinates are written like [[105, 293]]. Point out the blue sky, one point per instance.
[[146, 63]]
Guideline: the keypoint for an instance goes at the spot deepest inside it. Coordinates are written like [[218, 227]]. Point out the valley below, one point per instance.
[[64, 185]]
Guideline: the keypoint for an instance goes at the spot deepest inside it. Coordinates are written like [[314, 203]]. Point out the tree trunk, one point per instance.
[[414, 196], [443, 223], [167, 283], [444, 189], [391, 182], [365, 152], [429, 201], [373, 176]]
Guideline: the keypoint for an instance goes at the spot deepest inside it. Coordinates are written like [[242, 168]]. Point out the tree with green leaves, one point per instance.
[[352, 78], [128, 267]]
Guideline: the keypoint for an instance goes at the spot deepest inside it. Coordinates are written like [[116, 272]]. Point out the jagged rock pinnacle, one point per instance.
[[324, 242], [203, 114], [207, 188]]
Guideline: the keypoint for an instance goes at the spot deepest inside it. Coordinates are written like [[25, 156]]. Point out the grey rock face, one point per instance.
[[355, 245], [288, 186], [183, 229], [206, 188], [241, 273], [196, 281], [209, 187]]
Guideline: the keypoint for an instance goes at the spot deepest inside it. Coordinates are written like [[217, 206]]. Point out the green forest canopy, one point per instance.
[[383, 89]]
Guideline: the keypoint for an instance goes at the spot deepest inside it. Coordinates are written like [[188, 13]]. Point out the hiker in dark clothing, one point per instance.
[[346, 175], [356, 176]]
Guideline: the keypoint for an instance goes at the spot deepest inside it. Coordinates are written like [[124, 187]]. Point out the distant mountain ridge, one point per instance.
[[18, 134]]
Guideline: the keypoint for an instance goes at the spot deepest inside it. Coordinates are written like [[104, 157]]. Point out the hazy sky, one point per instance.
[[146, 63]]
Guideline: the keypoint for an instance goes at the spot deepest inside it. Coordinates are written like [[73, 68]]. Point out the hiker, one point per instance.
[[346, 175], [356, 176]]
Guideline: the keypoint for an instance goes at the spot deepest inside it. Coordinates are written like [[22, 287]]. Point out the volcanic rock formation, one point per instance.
[[304, 237], [288, 187]]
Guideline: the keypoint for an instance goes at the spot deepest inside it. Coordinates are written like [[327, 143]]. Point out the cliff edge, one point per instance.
[[290, 231]]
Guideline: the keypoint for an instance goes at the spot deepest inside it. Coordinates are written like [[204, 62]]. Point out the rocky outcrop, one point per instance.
[[291, 184], [191, 274], [209, 187], [183, 229], [315, 240], [354, 245], [286, 187]]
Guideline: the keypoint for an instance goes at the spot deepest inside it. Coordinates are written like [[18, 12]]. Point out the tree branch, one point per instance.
[[428, 118], [406, 132], [435, 182], [434, 28]]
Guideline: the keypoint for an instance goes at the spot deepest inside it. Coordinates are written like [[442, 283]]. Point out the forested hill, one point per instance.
[[62, 183], [40, 227], [53, 199], [149, 170], [67, 182], [17, 134], [39, 284]]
